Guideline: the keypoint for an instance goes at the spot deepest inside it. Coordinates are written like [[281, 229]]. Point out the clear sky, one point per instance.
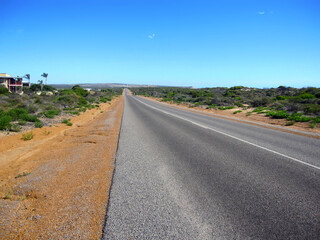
[[201, 43]]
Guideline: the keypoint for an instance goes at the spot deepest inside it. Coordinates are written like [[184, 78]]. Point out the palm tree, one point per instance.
[[45, 75], [41, 84], [27, 76]]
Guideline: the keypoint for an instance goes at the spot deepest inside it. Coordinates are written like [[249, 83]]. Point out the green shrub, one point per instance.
[[73, 112], [238, 104], [278, 114], [298, 117], [226, 108], [306, 96], [38, 101], [27, 136], [290, 123], [313, 124], [16, 112], [82, 101], [22, 175], [311, 109], [280, 97], [167, 99], [67, 122], [259, 109], [38, 124], [68, 99], [32, 109], [3, 90], [80, 91], [51, 113], [22, 122], [316, 119], [5, 122], [28, 117], [35, 87], [45, 132], [235, 112]]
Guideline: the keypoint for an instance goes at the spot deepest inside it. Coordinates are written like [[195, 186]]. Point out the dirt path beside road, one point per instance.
[[56, 185]]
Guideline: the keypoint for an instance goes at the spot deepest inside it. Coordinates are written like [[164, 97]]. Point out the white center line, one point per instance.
[[226, 134]]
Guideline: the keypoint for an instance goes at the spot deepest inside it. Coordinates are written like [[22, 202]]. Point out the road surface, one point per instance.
[[183, 175]]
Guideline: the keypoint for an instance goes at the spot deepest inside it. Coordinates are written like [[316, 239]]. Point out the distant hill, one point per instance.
[[103, 85]]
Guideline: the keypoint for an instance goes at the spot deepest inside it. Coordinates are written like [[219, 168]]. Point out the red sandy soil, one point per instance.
[[56, 185]]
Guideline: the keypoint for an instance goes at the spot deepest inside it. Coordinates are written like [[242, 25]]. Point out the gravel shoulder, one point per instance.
[[56, 186]]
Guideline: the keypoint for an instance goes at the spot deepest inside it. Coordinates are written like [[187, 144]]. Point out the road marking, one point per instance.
[[228, 135]]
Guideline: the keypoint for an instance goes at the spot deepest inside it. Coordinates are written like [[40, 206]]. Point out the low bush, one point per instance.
[[5, 122], [32, 109], [290, 123], [28, 117], [46, 133], [22, 175], [67, 122], [235, 112], [27, 136], [3, 90], [316, 119], [298, 117], [52, 113], [82, 101], [38, 124], [73, 112], [259, 109], [278, 114], [16, 112], [313, 124], [306, 96], [22, 122], [226, 108]]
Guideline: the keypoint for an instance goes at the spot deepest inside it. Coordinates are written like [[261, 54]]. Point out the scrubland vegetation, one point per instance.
[[295, 105], [33, 107]]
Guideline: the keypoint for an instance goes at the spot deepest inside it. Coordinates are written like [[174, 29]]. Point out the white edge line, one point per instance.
[[228, 135]]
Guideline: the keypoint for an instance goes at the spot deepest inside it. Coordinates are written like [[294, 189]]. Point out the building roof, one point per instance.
[[4, 75]]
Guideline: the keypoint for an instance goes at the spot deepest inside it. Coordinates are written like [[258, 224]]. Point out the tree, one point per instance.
[[45, 75], [41, 84], [27, 76]]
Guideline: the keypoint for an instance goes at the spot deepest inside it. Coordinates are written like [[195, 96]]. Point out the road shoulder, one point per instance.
[[302, 129], [56, 185]]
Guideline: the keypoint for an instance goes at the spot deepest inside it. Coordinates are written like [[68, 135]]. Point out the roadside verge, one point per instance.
[[300, 128], [56, 185]]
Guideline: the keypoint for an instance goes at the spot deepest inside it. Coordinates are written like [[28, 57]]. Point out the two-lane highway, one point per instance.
[[183, 175]]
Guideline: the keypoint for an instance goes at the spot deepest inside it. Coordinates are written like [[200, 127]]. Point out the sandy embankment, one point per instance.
[[254, 118], [68, 173]]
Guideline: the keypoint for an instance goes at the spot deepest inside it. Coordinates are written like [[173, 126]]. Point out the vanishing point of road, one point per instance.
[[184, 175]]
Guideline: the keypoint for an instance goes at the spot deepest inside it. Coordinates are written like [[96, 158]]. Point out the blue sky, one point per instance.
[[201, 43]]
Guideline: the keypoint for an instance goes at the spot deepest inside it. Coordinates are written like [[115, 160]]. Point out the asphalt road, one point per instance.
[[182, 175]]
